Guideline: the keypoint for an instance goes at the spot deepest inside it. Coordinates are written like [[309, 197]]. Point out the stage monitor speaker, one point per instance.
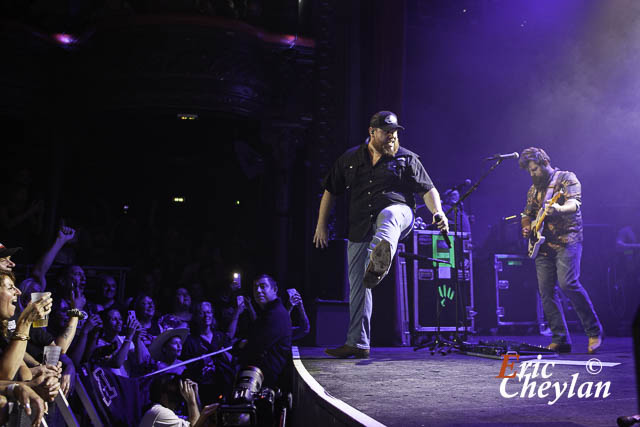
[[332, 321], [329, 275]]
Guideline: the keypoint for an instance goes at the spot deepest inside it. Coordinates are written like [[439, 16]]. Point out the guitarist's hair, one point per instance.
[[533, 154]]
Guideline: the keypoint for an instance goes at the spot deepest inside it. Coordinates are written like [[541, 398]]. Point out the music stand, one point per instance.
[[437, 343]]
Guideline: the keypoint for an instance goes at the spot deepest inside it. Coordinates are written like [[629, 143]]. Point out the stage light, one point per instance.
[[179, 200], [184, 116], [237, 202], [64, 38]]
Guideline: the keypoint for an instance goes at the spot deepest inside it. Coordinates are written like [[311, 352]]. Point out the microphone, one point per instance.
[[444, 233], [461, 185], [513, 155]]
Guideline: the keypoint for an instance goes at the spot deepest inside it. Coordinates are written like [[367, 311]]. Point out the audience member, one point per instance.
[[234, 311], [120, 360], [168, 393], [166, 349], [182, 305], [269, 340], [107, 295], [145, 310], [5, 257], [214, 374], [13, 346]]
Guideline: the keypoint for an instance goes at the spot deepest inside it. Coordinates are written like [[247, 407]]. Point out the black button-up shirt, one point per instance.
[[393, 180]]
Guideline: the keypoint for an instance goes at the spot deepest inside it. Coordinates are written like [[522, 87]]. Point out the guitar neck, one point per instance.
[[543, 215]]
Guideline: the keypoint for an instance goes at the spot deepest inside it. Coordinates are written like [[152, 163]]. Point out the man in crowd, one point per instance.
[[269, 340], [5, 257]]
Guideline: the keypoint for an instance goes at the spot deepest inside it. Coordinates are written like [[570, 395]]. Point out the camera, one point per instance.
[[250, 404]]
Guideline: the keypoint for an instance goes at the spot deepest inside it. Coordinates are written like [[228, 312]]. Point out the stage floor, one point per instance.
[[402, 387]]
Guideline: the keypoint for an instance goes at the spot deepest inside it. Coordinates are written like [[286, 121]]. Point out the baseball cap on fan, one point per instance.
[[385, 120], [5, 252]]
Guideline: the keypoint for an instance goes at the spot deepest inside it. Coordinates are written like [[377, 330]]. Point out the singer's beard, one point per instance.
[[385, 149]]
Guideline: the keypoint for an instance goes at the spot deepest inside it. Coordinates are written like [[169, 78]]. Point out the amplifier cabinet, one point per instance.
[[517, 299]]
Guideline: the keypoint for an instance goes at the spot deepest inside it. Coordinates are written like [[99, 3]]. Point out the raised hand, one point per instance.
[[241, 306], [65, 234], [36, 310], [188, 390], [78, 299], [94, 321], [132, 327], [295, 298]]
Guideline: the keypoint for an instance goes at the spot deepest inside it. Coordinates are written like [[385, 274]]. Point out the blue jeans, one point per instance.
[[564, 264], [390, 224]]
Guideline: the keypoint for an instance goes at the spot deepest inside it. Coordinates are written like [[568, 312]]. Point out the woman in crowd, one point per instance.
[[107, 293], [118, 351], [214, 374], [166, 349], [13, 345], [145, 309]]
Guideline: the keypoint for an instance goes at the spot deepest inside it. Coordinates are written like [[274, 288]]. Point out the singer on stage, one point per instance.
[[559, 256], [381, 178]]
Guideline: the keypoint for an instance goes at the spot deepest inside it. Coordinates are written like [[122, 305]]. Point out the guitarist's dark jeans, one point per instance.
[[564, 265]]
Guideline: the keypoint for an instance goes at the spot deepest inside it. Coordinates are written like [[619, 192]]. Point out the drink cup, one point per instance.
[[51, 355], [44, 321]]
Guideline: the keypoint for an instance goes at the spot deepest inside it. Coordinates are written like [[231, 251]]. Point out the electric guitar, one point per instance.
[[536, 239]]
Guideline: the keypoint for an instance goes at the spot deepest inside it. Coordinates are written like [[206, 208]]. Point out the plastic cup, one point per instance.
[[44, 321], [51, 355]]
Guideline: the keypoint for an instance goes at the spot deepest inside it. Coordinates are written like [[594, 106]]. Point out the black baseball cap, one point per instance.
[[5, 252], [385, 120]]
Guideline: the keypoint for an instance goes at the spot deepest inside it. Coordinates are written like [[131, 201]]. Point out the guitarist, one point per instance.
[[559, 256]]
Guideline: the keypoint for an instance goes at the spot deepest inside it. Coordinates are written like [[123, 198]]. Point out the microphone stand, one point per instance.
[[437, 343], [458, 241]]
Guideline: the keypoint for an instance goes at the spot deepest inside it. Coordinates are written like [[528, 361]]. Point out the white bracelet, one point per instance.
[[11, 394]]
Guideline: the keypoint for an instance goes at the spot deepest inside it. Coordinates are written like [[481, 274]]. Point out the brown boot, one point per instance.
[[378, 264], [346, 351], [594, 344]]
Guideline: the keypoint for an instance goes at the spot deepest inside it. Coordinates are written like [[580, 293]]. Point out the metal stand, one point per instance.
[[437, 343], [458, 242]]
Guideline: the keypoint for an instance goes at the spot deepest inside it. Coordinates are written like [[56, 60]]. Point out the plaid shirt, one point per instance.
[[560, 229]]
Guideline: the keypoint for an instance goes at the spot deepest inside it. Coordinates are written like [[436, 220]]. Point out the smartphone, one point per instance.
[[132, 314], [237, 282]]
